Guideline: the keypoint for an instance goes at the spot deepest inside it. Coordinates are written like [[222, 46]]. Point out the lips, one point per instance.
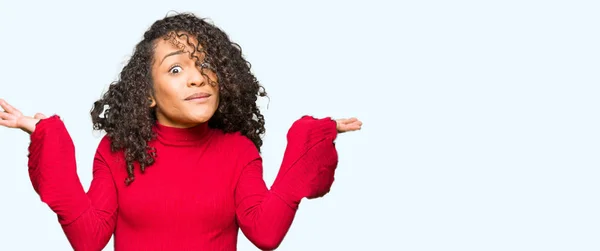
[[199, 95]]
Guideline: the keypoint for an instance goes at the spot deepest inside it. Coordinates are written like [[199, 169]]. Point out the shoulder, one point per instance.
[[233, 140], [104, 149], [236, 145], [104, 144]]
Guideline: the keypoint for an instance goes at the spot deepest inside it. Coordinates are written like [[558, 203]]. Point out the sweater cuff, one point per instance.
[[42, 125], [38, 134], [325, 128]]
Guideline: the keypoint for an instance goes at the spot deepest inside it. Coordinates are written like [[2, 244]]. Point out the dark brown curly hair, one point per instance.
[[124, 111]]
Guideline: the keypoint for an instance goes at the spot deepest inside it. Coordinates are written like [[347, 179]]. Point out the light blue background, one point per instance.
[[481, 118]]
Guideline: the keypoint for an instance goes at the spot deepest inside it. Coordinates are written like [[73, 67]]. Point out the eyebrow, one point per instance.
[[171, 54]]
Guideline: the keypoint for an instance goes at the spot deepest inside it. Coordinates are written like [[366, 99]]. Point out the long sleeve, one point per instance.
[[307, 171], [88, 219]]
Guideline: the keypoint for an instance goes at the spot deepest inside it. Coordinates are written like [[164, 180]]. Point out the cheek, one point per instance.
[[165, 94], [218, 99], [216, 105]]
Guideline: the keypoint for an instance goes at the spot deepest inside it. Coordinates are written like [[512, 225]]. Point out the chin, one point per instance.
[[201, 118]]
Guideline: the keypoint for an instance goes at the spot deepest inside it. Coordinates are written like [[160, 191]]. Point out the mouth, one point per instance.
[[198, 96]]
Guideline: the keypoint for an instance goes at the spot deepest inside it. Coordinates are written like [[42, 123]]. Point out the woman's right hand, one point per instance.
[[13, 118]]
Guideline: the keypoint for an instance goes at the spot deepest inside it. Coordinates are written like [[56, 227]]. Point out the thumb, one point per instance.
[[39, 116]]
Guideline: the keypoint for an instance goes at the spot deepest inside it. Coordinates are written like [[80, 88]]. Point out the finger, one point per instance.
[[352, 126], [5, 123], [358, 124], [344, 121], [10, 123], [6, 116], [39, 116], [8, 108], [351, 120]]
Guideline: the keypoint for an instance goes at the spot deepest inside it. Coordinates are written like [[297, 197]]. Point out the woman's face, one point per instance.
[[183, 96]]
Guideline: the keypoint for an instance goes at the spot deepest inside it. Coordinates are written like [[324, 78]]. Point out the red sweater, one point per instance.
[[203, 187]]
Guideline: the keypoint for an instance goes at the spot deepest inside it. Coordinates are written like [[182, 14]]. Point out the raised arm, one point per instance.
[[307, 171], [88, 220]]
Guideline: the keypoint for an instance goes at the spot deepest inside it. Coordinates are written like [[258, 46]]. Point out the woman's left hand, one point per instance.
[[348, 125]]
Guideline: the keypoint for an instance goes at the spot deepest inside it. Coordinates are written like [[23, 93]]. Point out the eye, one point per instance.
[[175, 69]]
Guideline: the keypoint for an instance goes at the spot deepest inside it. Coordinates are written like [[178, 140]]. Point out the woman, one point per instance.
[[179, 168]]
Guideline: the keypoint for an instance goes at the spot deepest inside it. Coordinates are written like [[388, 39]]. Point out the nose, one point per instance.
[[196, 78]]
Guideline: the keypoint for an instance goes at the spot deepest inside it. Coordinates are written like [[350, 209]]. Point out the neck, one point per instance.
[[177, 135]]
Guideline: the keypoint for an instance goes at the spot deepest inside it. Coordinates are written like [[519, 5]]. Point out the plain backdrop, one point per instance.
[[481, 118]]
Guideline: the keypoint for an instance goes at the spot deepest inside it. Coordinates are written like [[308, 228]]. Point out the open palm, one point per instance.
[[348, 125], [13, 118]]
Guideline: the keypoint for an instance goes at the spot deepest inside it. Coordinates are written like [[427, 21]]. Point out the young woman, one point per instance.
[[179, 167]]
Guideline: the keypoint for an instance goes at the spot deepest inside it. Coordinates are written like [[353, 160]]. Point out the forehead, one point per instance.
[[179, 41]]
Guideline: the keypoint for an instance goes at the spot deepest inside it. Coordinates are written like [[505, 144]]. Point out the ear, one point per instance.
[[152, 101]]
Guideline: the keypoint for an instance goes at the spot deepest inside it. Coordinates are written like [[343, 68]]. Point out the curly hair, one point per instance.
[[124, 111]]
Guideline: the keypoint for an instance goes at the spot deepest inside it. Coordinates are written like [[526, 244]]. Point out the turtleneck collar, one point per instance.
[[182, 136]]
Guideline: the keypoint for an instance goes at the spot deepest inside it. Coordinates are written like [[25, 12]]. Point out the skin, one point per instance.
[[176, 77]]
